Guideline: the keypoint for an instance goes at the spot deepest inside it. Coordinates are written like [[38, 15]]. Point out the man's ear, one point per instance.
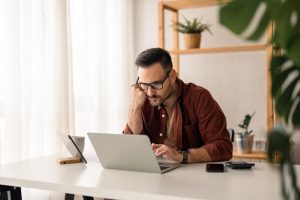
[[173, 76]]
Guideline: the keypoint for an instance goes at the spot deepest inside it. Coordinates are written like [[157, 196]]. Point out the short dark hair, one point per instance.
[[153, 55]]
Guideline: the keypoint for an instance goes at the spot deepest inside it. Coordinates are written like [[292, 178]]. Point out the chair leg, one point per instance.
[[15, 193], [3, 195], [88, 198], [69, 196]]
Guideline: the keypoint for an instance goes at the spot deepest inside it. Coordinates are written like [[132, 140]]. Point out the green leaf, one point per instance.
[[296, 115], [262, 26], [276, 63], [294, 49], [285, 102], [237, 14], [284, 28], [278, 74], [190, 26], [279, 80]]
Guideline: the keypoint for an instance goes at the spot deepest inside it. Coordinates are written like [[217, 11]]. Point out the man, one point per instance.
[[183, 121]]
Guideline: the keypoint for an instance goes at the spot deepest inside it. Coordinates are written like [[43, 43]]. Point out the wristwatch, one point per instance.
[[185, 154]]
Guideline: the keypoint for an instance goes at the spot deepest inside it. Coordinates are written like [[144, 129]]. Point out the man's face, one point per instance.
[[155, 75]]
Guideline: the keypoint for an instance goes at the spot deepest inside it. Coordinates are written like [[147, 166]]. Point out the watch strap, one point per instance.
[[185, 154]]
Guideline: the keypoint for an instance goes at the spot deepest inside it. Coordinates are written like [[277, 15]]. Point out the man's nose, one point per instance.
[[150, 91]]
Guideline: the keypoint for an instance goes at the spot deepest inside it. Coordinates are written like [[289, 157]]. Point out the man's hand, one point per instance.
[[167, 152], [138, 97]]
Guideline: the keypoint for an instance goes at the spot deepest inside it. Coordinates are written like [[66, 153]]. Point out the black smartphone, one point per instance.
[[215, 167]]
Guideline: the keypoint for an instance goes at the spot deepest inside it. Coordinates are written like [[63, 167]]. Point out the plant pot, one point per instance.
[[192, 40], [244, 143]]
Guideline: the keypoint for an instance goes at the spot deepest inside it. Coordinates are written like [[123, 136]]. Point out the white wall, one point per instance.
[[236, 80]]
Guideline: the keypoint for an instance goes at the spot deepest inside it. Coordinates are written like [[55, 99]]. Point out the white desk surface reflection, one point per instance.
[[190, 181]]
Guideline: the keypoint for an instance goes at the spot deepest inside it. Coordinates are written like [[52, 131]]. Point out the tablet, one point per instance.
[[71, 146]]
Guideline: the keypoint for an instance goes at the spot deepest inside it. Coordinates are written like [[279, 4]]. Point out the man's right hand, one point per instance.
[[138, 97]]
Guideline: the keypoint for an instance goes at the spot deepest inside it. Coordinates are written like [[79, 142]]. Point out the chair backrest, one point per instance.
[[231, 134]]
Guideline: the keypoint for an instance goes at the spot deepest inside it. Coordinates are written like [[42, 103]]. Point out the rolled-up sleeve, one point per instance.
[[213, 128]]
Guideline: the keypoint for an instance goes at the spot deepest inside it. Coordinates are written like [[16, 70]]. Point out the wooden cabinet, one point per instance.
[[174, 6]]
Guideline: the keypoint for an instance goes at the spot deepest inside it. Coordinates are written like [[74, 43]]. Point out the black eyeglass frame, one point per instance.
[[151, 84]]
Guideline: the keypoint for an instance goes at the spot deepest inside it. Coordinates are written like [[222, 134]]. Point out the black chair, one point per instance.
[[71, 197], [15, 192]]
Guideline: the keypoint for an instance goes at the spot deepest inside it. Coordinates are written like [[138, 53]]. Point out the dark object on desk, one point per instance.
[[81, 155], [239, 165], [214, 167]]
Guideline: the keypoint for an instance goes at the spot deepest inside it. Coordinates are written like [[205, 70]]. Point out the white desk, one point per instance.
[[187, 182]]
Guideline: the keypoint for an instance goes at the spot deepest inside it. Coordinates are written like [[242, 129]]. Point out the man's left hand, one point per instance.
[[166, 152]]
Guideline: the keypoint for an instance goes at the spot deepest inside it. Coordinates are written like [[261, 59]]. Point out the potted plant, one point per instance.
[[244, 140], [192, 30], [237, 15]]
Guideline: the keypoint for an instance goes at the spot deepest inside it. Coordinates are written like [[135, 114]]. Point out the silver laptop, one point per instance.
[[128, 152]]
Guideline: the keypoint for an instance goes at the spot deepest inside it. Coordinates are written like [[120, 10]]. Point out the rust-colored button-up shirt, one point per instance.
[[198, 122]]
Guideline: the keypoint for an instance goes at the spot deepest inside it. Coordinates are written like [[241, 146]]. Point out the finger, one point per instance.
[[165, 147], [134, 86], [156, 151], [155, 146], [166, 155], [138, 90], [161, 152]]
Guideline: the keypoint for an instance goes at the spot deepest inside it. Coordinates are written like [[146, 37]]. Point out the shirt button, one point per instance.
[[163, 115], [160, 134]]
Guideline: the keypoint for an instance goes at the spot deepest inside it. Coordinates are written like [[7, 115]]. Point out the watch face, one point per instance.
[[185, 156]]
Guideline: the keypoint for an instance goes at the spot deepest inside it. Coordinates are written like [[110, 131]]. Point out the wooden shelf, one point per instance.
[[254, 155], [220, 49], [174, 6], [185, 4]]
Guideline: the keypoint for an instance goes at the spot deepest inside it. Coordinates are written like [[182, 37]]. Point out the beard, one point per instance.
[[155, 100], [158, 100]]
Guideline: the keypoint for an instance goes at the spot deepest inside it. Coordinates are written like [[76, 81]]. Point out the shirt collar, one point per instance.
[[180, 87]]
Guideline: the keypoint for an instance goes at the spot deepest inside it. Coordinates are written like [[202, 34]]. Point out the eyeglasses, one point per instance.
[[155, 85]]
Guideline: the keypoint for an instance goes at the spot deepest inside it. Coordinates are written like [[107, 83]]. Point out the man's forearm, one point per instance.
[[198, 155], [135, 121]]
